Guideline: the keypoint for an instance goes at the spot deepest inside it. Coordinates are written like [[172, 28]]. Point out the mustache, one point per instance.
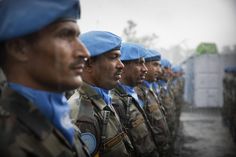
[[80, 61]]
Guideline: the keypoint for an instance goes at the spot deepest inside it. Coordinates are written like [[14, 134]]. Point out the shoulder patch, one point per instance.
[[90, 140]]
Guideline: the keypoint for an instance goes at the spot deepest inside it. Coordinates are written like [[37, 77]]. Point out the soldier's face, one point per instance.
[[57, 57], [166, 73], [106, 70], [134, 72], [153, 70]]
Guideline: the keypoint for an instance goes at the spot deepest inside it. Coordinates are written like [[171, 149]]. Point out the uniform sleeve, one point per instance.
[[9, 147], [85, 118], [90, 133]]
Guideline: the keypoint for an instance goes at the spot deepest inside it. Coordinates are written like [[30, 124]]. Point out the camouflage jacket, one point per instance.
[[88, 110], [25, 132], [135, 122], [152, 108]]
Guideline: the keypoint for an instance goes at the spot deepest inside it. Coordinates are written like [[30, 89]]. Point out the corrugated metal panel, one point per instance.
[[204, 76], [200, 97], [213, 97]]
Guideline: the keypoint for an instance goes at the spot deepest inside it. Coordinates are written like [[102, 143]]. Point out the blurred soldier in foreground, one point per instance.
[[127, 104], [91, 104], [152, 105], [41, 58]]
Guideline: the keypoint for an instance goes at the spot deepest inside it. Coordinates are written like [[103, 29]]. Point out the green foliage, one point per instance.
[[204, 48]]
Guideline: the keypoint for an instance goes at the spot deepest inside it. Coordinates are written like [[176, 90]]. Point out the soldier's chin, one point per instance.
[[76, 83]]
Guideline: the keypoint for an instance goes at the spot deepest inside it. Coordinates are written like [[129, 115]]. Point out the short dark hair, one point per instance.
[[31, 38]]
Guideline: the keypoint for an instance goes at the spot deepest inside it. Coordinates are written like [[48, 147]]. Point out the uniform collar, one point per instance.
[[147, 84], [131, 91], [104, 94], [30, 116], [89, 91], [52, 105]]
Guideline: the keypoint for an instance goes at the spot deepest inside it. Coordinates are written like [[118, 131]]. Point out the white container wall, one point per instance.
[[204, 79]]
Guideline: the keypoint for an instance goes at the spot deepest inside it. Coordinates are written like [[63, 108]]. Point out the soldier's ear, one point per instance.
[[17, 48]]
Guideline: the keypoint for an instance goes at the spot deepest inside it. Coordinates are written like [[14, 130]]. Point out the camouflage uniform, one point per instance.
[[88, 112], [177, 88], [233, 89], [227, 83], [167, 100], [152, 108], [229, 107], [135, 122], [25, 132]]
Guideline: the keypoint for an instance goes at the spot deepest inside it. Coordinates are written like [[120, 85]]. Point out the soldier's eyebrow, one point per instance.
[[69, 27]]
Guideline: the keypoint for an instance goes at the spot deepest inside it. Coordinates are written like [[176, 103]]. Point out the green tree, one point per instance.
[[204, 48]]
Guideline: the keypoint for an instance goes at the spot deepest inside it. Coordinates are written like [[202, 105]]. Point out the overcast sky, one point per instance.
[[174, 21]]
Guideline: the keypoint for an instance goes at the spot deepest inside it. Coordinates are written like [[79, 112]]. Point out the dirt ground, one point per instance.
[[202, 134]]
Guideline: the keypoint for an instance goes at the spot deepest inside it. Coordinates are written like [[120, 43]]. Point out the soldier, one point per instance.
[[177, 87], [91, 104], [227, 83], [166, 94], [229, 108], [126, 102], [41, 58], [233, 106], [167, 99], [152, 105]]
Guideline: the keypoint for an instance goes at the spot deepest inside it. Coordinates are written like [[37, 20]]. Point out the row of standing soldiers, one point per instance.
[[136, 116], [127, 100], [139, 119], [229, 95]]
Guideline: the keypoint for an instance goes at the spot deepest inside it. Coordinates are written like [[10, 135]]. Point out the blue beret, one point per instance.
[[99, 42], [132, 51], [176, 69], [22, 17], [152, 55], [226, 70], [231, 70], [165, 63]]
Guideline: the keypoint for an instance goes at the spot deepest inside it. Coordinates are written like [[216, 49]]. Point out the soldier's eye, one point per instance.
[[67, 33]]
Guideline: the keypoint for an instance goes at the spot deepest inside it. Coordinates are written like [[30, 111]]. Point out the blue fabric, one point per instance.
[[231, 69], [176, 69], [22, 17], [104, 94], [175, 81], [52, 105], [165, 63], [130, 91], [99, 42], [152, 55], [156, 88], [147, 84], [132, 51], [90, 141], [163, 84]]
